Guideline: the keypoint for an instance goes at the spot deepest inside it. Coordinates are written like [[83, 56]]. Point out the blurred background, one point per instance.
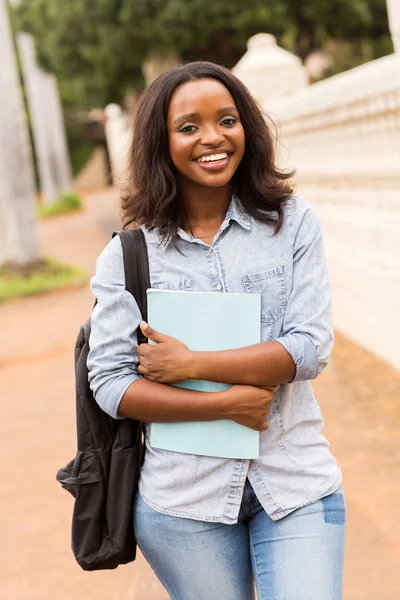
[[328, 73]]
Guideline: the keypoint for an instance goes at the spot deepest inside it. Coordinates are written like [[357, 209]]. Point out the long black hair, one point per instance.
[[151, 194]]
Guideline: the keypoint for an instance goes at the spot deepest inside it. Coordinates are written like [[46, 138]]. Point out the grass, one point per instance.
[[46, 277], [67, 203]]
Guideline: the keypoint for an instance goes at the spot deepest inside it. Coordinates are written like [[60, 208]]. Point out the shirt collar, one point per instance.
[[234, 213]]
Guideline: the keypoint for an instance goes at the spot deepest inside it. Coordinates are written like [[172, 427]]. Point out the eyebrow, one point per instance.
[[191, 115]]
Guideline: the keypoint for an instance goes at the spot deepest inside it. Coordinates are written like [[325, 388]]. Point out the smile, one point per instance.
[[213, 157], [214, 162]]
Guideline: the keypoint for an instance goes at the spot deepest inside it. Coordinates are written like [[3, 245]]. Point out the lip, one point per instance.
[[216, 165]]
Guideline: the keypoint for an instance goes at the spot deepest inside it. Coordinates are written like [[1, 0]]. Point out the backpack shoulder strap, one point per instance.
[[136, 265]]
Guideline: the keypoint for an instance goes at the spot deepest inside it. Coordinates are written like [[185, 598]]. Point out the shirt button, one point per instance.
[[211, 250], [219, 287]]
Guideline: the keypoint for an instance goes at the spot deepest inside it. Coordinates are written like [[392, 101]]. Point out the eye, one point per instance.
[[229, 121], [188, 129]]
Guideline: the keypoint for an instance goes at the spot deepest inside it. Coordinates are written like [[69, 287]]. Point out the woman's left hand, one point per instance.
[[166, 362]]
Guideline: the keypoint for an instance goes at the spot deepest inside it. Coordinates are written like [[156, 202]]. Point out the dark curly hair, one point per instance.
[[151, 195]]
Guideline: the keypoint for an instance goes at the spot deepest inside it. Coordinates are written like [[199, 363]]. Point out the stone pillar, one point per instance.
[[18, 236], [47, 123], [393, 8], [118, 130], [268, 70]]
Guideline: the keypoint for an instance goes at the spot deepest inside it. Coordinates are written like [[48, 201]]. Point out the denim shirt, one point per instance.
[[289, 270]]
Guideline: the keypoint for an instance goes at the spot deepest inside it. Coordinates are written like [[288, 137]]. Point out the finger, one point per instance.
[[152, 334], [142, 370], [142, 349]]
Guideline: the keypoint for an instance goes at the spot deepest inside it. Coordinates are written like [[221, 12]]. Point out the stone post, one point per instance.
[[269, 71], [18, 235], [47, 123], [118, 130]]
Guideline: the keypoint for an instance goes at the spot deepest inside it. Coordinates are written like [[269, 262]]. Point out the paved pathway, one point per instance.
[[359, 397]]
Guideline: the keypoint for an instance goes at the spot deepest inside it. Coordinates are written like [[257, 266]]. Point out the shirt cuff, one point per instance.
[[304, 355], [110, 393]]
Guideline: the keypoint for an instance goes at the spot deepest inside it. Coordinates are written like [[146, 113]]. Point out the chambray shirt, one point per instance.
[[289, 270]]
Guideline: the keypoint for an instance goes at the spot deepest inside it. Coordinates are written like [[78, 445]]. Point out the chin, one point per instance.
[[216, 181]]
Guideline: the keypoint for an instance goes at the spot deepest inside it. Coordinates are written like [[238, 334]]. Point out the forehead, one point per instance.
[[198, 96]]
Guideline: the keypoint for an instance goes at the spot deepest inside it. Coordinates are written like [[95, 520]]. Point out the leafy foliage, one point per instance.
[[67, 203], [46, 277], [96, 47]]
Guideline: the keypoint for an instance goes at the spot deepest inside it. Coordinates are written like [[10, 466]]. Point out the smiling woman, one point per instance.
[[219, 216]]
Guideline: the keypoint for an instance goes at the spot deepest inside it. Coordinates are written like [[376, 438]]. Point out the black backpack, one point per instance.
[[104, 475]]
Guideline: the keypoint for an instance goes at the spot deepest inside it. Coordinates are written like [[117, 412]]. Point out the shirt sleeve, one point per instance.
[[307, 327], [112, 361]]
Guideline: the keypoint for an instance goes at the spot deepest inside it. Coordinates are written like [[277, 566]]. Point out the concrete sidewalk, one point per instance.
[[359, 397]]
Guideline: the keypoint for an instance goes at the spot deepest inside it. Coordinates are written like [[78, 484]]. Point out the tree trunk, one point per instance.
[[48, 129], [18, 235]]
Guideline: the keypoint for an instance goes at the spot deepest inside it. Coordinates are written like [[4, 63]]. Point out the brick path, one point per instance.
[[359, 397]]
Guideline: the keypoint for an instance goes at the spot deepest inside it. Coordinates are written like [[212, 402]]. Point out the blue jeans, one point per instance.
[[299, 557]]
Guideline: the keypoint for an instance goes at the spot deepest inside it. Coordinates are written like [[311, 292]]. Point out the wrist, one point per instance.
[[213, 406], [224, 402], [193, 365]]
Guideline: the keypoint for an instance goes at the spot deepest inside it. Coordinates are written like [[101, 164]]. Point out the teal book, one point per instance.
[[206, 321]]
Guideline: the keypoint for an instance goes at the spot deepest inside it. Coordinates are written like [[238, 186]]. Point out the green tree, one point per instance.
[[96, 47]]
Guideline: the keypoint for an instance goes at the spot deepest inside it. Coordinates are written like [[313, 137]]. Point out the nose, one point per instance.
[[211, 135]]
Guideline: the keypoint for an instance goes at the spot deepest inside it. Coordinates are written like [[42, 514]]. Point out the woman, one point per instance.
[[218, 215]]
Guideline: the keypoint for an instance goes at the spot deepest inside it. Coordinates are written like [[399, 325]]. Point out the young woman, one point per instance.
[[218, 215]]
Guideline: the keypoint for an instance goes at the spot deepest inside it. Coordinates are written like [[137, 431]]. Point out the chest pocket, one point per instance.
[[181, 283], [271, 285]]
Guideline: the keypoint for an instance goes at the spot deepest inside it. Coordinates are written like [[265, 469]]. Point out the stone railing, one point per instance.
[[343, 137]]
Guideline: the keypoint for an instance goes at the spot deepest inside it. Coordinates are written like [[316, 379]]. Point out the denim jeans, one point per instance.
[[299, 557]]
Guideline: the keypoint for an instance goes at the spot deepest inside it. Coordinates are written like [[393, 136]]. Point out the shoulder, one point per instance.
[[299, 214], [112, 252], [110, 263], [297, 207]]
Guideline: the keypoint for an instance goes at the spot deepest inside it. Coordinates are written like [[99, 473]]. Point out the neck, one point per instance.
[[206, 205]]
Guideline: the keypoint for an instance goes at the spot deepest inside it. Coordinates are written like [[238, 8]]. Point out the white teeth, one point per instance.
[[212, 157]]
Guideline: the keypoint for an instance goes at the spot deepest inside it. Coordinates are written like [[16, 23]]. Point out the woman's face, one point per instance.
[[206, 137]]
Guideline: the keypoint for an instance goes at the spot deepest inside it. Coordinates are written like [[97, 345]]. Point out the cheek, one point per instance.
[[180, 150], [240, 141]]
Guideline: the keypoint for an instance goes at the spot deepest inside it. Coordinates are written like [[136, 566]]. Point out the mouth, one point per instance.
[[213, 162]]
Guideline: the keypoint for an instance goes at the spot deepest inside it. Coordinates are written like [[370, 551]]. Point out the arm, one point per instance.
[[263, 364], [113, 364], [299, 354], [159, 403]]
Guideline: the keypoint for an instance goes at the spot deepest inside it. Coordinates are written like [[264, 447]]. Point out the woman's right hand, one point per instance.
[[249, 405]]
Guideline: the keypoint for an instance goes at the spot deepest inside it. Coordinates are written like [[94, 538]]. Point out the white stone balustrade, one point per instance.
[[343, 137]]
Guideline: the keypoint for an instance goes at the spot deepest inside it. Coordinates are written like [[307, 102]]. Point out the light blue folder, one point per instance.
[[206, 321]]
